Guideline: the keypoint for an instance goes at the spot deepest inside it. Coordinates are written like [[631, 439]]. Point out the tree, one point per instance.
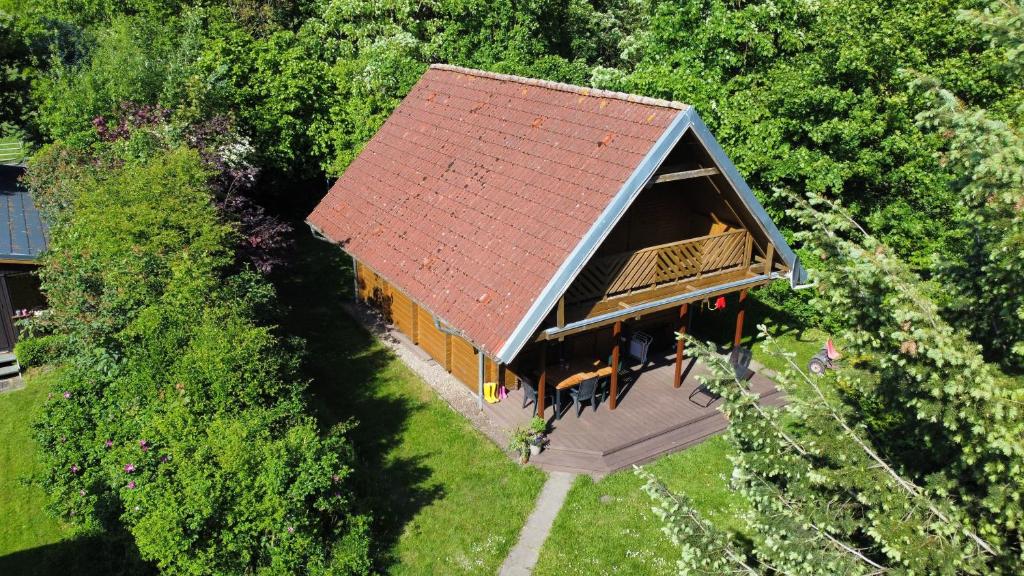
[[910, 461], [985, 155]]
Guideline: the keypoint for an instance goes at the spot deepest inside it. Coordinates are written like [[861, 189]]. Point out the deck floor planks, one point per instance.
[[652, 419]]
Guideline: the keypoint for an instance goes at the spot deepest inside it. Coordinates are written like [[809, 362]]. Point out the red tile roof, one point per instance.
[[479, 185]]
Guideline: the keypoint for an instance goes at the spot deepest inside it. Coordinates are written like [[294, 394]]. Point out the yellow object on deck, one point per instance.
[[491, 392]]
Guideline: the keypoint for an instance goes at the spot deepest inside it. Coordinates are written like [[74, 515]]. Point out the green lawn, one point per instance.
[[32, 543], [445, 498], [25, 525], [608, 527]]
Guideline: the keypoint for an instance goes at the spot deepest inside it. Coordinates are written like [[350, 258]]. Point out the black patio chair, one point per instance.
[[740, 359], [530, 392], [586, 391]]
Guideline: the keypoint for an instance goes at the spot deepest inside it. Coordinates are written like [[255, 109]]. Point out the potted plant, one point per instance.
[[538, 438], [519, 443]]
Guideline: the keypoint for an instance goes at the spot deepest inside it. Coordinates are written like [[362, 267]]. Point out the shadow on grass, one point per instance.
[[346, 369], [719, 326], [83, 556]]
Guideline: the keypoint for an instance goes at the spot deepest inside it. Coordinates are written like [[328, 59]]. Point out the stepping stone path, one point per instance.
[[523, 557]]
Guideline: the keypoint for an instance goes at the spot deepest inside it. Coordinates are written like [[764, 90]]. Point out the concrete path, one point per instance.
[[523, 557]]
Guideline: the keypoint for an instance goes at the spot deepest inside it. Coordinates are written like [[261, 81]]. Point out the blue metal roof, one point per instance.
[[23, 234]]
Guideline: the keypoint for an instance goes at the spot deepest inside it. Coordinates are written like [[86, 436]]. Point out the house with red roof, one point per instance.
[[513, 228]]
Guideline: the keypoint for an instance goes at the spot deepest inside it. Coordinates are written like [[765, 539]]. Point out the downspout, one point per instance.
[[355, 280], [447, 330], [480, 380], [480, 353]]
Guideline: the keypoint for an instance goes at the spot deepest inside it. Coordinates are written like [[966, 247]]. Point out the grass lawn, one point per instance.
[[25, 525], [608, 527], [33, 543], [446, 500]]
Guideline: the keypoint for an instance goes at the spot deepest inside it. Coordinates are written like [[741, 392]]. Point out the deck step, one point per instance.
[[10, 370], [673, 441], [7, 358]]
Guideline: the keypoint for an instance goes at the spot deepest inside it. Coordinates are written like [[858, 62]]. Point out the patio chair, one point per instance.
[[639, 345], [586, 391], [625, 379], [530, 392], [740, 359]]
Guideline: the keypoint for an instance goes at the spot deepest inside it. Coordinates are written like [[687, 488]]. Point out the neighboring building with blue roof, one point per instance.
[[23, 238], [23, 234]]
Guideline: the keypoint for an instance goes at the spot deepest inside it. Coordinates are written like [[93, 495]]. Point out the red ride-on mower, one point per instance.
[[826, 359]]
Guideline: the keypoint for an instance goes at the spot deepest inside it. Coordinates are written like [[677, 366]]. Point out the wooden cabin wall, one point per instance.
[[403, 314], [667, 213], [464, 364], [454, 353], [431, 339]]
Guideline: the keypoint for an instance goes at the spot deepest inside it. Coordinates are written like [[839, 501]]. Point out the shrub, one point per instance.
[[177, 414], [39, 350]]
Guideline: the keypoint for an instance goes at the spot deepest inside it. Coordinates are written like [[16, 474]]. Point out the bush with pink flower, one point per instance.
[[177, 416]]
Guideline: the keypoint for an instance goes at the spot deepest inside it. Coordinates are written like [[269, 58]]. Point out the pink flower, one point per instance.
[[67, 394], [129, 468], [75, 468], [291, 529], [143, 445], [109, 443], [165, 458], [131, 485]]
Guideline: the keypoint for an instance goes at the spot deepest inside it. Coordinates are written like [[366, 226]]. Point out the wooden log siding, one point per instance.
[[430, 338], [454, 353], [465, 365], [403, 314], [618, 274]]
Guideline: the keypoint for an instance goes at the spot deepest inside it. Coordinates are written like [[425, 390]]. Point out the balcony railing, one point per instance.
[[657, 266]]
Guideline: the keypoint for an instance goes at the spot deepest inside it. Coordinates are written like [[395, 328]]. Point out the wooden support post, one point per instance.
[[613, 398], [739, 319], [678, 381], [447, 352], [748, 251], [768, 257], [415, 324], [560, 316], [542, 381]]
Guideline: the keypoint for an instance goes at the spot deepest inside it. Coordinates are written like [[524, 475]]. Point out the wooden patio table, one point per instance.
[[577, 371]]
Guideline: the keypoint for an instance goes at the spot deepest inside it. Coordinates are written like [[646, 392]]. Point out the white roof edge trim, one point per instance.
[[797, 275], [580, 255]]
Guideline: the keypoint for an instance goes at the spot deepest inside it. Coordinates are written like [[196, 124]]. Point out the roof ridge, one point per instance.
[[561, 86]]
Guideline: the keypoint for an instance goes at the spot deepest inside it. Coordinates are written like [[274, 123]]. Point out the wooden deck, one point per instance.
[[652, 419]]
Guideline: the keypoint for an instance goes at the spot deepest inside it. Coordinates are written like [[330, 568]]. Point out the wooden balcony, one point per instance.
[[657, 267]]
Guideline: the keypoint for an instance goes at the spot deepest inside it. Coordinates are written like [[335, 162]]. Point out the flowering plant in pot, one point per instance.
[[538, 437], [519, 443]]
